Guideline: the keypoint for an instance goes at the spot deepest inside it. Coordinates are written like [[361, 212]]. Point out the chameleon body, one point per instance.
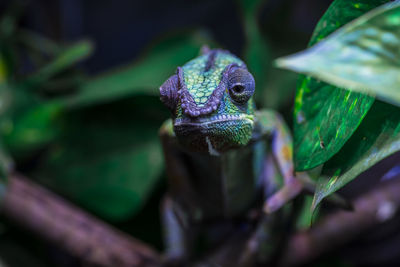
[[217, 150]]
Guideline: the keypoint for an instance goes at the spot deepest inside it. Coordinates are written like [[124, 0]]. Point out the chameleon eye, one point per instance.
[[241, 85], [169, 92]]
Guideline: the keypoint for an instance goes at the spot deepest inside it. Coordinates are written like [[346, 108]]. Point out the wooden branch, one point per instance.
[[336, 229], [98, 244], [80, 234]]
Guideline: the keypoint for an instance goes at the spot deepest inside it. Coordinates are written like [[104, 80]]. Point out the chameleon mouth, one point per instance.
[[221, 132], [212, 120]]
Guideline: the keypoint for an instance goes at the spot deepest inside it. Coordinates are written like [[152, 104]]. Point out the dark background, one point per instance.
[[121, 30]]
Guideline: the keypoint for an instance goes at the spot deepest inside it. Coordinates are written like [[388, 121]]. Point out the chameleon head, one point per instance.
[[211, 100]]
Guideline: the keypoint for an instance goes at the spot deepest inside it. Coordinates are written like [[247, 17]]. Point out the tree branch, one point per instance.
[[80, 234], [336, 229], [98, 244]]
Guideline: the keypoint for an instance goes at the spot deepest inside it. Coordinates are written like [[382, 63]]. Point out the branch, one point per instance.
[[341, 227], [80, 234], [98, 244]]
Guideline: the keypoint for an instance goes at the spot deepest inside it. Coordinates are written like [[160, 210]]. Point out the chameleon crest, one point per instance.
[[210, 98]]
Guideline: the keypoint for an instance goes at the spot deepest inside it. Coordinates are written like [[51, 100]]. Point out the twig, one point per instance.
[[82, 235], [336, 229]]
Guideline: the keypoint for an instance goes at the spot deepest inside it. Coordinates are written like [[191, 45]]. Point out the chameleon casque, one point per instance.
[[218, 157]]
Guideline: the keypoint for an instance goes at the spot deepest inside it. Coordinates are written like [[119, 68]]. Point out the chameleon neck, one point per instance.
[[221, 186]]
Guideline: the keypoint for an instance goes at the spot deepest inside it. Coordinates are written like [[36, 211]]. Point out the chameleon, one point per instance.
[[229, 166]]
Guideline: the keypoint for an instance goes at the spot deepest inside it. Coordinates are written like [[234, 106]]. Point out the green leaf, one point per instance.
[[65, 59], [144, 76], [324, 120], [377, 137], [326, 116], [361, 56], [109, 158]]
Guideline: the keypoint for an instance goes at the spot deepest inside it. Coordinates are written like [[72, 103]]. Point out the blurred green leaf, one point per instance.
[[39, 43], [30, 127], [29, 122], [361, 56], [3, 69], [108, 158], [326, 116], [250, 7], [377, 137], [256, 51], [144, 76], [65, 59], [7, 54], [6, 163]]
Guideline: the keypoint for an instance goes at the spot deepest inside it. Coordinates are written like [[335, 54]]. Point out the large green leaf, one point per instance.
[[326, 116], [109, 158], [361, 56], [144, 76], [377, 137]]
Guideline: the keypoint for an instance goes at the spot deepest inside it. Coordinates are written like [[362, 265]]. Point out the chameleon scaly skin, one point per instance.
[[211, 101]]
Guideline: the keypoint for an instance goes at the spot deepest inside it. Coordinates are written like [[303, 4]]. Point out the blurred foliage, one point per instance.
[[142, 77], [256, 52], [109, 156], [94, 139], [6, 28], [326, 116], [274, 86], [115, 162], [62, 60]]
